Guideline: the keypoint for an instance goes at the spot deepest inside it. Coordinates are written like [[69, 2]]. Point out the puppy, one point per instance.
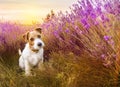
[[32, 54]]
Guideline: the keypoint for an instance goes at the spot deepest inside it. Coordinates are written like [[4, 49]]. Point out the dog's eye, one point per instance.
[[39, 36], [31, 39]]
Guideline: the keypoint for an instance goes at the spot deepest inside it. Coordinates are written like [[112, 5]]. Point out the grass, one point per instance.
[[62, 70]]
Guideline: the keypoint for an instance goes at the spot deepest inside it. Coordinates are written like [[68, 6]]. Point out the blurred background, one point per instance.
[[28, 11]]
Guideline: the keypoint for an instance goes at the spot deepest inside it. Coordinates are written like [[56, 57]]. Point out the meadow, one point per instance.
[[82, 48]]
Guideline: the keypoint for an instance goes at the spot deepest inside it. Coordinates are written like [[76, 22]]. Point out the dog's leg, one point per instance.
[[21, 63], [27, 68]]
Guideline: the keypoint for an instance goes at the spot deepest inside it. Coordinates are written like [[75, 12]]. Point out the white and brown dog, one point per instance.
[[32, 54]]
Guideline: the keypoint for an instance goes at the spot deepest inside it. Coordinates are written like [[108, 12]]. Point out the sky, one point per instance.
[[28, 11]]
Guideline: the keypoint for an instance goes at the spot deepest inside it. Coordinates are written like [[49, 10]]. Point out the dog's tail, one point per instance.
[[19, 51]]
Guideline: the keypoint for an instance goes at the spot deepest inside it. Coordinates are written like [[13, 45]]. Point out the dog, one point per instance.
[[32, 54]]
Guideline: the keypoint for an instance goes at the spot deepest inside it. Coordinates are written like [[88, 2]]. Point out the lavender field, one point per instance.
[[82, 48]]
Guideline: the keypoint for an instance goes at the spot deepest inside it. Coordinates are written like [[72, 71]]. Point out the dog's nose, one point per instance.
[[39, 44]]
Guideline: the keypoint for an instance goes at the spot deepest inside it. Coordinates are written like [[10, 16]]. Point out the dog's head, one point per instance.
[[34, 39]]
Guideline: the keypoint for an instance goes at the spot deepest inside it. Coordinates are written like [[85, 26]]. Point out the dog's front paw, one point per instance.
[[28, 74]]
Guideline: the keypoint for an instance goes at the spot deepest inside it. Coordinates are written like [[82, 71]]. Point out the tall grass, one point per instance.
[[63, 70], [82, 47]]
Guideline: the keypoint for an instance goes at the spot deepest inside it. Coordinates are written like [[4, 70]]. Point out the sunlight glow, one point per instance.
[[27, 12]]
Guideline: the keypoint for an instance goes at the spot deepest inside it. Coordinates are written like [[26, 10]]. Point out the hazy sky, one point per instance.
[[26, 11]]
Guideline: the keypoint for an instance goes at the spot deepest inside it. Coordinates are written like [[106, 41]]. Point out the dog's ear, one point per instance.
[[26, 36], [39, 30]]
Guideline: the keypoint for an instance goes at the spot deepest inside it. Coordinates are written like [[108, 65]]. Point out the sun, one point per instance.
[[29, 19], [31, 16]]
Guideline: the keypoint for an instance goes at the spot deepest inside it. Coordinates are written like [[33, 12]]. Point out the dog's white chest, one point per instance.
[[34, 59]]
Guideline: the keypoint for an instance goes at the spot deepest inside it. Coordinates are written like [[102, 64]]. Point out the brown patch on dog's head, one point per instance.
[[39, 30], [33, 34], [26, 36]]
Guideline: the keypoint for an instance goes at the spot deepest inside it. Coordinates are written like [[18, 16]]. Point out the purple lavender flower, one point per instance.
[[60, 27], [87, 26], [103, 56], [84, 22], [98, 11], [96, 23], [84, 14], [55, 33], [76, 28], [108, 7], [89, 7], [80, 32], [106, 38], [93, 15], [67, 30]]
